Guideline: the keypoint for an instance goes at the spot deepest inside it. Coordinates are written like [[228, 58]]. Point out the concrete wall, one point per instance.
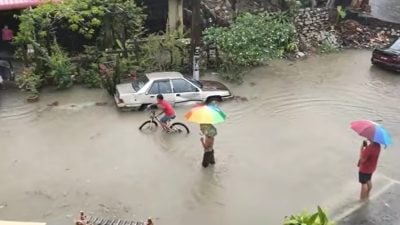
[[313, 28]]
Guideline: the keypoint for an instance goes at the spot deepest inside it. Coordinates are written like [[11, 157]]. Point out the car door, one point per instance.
[[185, 91], [160, 87]]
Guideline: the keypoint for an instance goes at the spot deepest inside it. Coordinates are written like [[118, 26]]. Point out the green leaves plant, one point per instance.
[[60, 66], [341, 12], [318, 218], [108, 20], [252, 39], [29, 81]]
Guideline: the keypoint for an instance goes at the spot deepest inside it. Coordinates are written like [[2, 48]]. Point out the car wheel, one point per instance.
[[213, 99], [143, 107]]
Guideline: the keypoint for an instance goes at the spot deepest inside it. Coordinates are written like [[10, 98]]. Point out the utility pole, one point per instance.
[[195, 39]]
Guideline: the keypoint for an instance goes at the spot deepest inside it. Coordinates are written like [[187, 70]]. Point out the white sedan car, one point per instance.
[[173, 86]]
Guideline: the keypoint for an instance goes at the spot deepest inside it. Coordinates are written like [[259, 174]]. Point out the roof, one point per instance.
[[20, 4], [17, 4], [166, 75], [2, 222]]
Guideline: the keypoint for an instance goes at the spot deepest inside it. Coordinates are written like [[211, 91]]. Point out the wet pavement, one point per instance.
[[384, 209], [285, 147], [387, 10]]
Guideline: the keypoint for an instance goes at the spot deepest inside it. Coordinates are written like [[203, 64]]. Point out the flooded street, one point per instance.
[[288, 147]]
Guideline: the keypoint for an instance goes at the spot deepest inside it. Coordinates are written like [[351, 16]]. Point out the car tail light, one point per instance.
[[120, 100]]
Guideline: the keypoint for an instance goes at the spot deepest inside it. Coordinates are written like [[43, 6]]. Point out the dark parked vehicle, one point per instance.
[[388, 57]]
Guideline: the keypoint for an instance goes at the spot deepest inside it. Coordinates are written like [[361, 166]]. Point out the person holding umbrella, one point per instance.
[[207, 115], [209, 132], [369, 153]]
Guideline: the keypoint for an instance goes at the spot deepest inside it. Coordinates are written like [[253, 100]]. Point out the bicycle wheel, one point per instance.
[[179, 128], [149, 126]]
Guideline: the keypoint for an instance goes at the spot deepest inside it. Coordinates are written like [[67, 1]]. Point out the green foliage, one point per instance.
[[110, 74], [107, 20], [90, 76], [341, 13], [317, 218], [252, 40], [60, 68], [29, 81], [41, 23], [88, 68], [326, 47], [163, 52], [123, 19]]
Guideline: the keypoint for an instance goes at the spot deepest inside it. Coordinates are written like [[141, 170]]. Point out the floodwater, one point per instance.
[[285, 147]]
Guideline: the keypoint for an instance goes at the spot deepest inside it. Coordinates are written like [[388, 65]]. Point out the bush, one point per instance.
[[327, 47], [251, 40], [60, 68], [163, 52], [88, 67], [112, 68], [29, 81], [90, 76], [318, 218], [100, 22]]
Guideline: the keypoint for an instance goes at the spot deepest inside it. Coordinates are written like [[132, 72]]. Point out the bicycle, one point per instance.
[[154, 122]]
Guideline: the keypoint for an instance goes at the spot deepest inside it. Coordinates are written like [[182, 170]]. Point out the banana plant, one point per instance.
[[317, 218]]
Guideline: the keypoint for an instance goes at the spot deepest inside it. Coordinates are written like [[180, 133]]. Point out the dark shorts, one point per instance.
[[364, 177], [166, 118]]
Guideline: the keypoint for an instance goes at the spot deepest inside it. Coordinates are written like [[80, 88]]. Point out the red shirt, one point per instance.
[[369, 158], [6, 34], [167, 108]]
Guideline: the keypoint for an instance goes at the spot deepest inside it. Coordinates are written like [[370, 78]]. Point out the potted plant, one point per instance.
[[30, 81]]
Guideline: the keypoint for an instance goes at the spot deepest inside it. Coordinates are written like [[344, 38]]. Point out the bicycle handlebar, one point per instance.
[[153, 109]]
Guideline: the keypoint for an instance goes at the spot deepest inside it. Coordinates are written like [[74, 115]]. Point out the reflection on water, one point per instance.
[[287, 147]]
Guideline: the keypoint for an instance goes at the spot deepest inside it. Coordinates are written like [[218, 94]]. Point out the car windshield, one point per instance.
[[139, 82], [396, 45]]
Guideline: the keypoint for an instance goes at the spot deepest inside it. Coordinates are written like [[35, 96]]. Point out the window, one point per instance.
[[160, 87], [396, 45], [138, 83], [181, 85], [195, 82]]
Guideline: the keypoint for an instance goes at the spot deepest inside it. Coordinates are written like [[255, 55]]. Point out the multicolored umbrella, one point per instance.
[[206, 114], [372, 131]]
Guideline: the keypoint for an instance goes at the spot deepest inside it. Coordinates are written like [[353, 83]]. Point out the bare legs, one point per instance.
[[369, 183], [365, 190]]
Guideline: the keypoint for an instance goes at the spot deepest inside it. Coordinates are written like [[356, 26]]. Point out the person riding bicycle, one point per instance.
[[168, 110]]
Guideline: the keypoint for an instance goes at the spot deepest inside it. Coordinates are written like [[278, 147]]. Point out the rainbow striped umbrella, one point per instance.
[[206, 114], [372, 131]]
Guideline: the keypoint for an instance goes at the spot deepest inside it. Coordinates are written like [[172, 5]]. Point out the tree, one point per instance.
[[115, 20], [123, 19]]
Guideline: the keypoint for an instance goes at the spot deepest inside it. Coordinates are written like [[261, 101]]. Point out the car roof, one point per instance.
[[158, 75]]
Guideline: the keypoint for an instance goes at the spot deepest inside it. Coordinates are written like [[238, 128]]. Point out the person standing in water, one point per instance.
[[369, 154], [209, 132]]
